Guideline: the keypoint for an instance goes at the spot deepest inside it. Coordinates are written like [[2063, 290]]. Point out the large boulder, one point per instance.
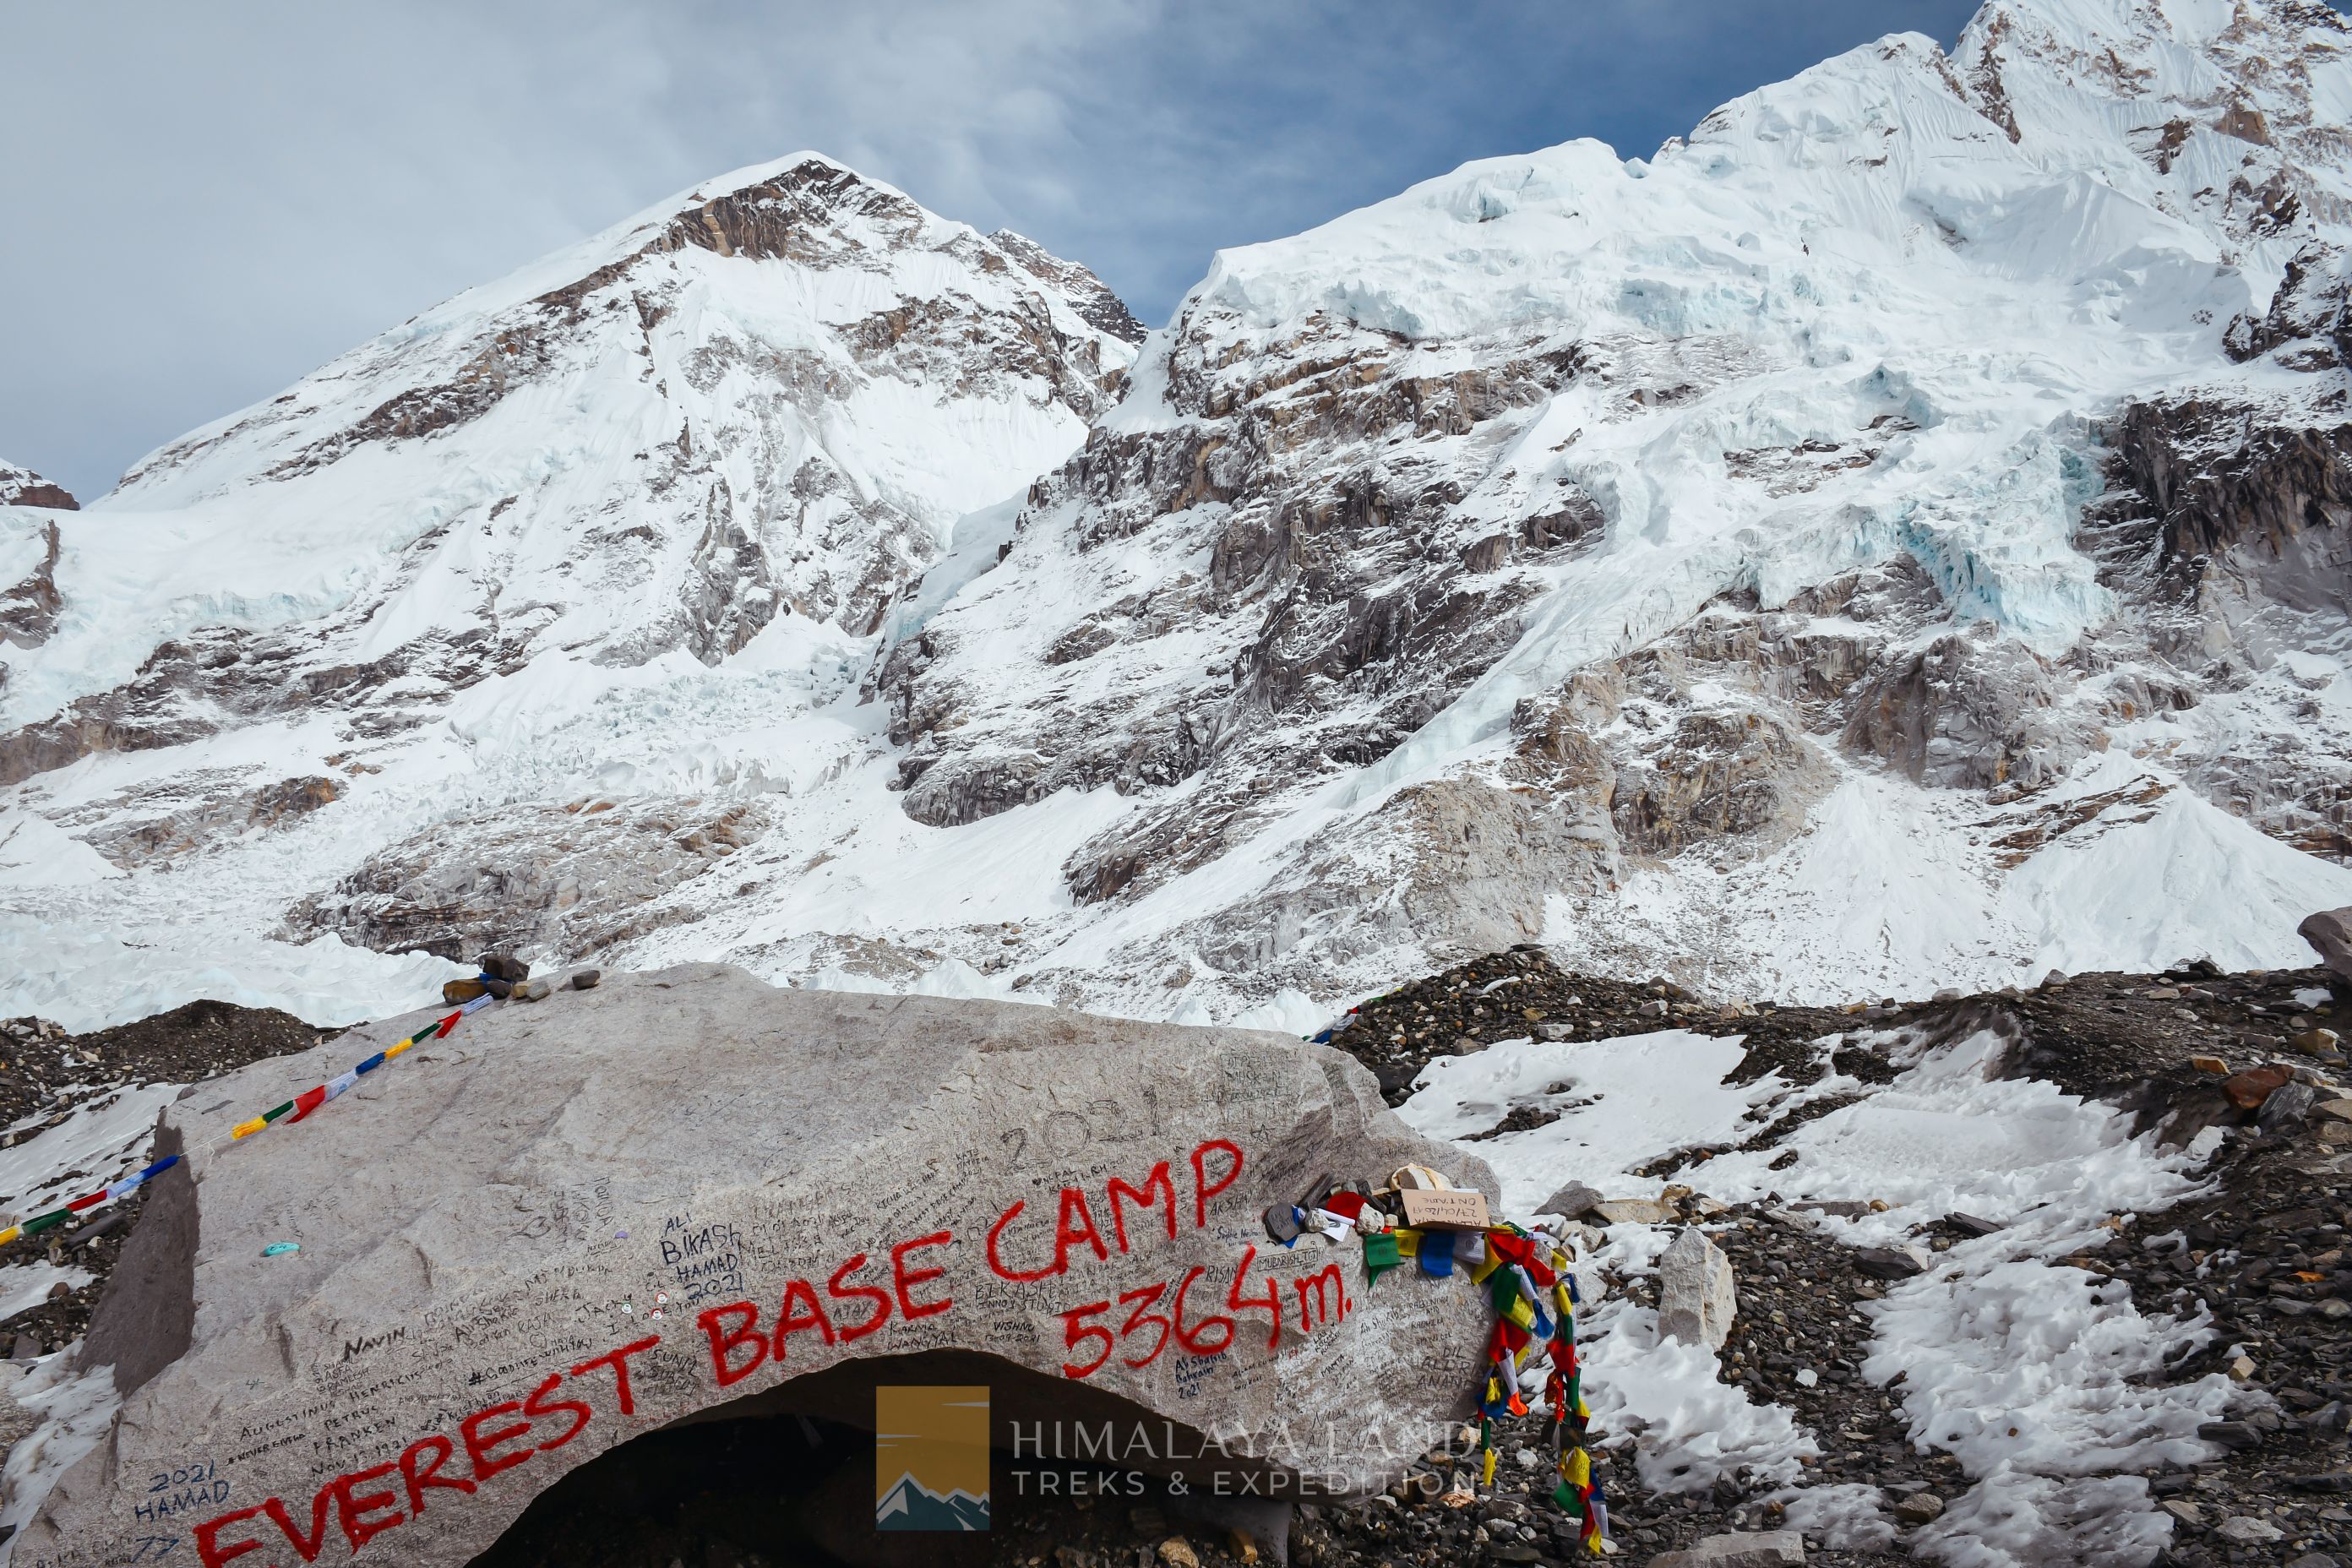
[[833, 1191], [2330, 934]]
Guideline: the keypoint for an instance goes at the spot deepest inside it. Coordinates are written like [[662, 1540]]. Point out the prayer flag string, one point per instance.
[[294, 1109], [122, 1188], [310, 1099]]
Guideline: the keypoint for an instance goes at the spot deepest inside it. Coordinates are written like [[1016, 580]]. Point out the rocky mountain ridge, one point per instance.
[[22, 487], [760, 341]]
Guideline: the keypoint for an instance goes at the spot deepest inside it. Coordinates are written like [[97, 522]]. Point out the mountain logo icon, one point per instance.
[[930, 1456], [910, 1505]]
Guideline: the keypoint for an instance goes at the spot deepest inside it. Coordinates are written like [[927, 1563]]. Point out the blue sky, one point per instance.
[[206, 202]]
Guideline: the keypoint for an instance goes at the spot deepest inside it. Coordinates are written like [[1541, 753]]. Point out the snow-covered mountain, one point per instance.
[[1897, 537], [1824, 556], [757, 407]]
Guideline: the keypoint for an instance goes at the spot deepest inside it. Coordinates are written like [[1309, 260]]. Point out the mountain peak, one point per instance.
[[1705, 530], [759, 212], [768, 398]]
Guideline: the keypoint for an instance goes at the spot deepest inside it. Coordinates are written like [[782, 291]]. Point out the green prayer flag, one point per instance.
[[1501, 1290], [1570, 1503], [274, 1115], [45, 1221], [1379, 1254]]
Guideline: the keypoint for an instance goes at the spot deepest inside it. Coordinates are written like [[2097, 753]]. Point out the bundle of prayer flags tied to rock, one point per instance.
[[476, 996], [1419, 1215]]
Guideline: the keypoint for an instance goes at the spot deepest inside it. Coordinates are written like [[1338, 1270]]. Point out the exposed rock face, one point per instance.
[[131, 841], [578, 878], [1089, 295], [22, 487], [1966, 714], [2223, 477], [2308, 325], [2236, 536], [1337, 613], [28, 608], [470, 1313]]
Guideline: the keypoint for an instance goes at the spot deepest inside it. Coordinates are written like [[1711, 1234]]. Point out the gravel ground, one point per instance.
[[45, 1074]]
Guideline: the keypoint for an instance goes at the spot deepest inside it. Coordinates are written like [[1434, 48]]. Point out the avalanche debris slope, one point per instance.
[[1896, 536]]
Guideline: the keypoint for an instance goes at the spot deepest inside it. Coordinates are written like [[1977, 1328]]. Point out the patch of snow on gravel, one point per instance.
[[2019, 1366]]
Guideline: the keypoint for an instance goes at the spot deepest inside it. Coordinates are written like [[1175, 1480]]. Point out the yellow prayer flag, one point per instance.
[[242, 1128]]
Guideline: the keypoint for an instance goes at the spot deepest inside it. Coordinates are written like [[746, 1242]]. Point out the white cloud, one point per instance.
[[206, 202]]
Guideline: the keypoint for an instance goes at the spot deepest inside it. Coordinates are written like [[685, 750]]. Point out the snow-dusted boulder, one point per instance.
[[812, 1178], [1695, 1296]]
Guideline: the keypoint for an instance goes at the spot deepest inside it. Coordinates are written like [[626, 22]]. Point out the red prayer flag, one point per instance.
[[308, 1100]]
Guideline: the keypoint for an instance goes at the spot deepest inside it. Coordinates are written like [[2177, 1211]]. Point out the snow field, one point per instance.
[[2016, 1363]]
